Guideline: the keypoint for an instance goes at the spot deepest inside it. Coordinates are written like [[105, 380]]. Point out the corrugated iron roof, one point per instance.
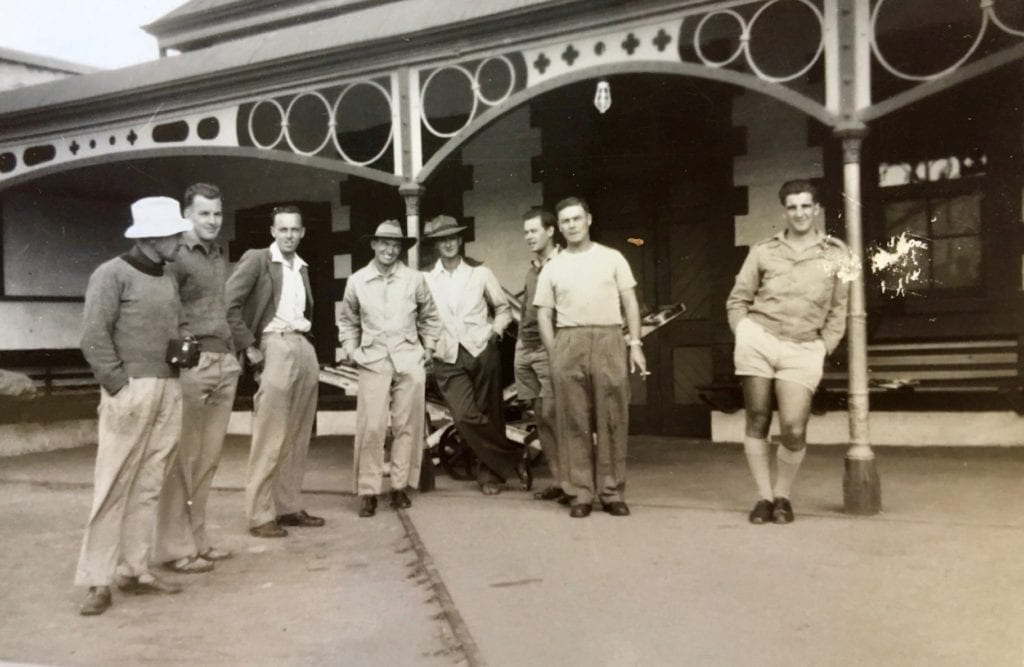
[[45, 62], [396, 21]]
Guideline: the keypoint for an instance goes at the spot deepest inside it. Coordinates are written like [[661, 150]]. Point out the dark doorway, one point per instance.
[[656, 170]]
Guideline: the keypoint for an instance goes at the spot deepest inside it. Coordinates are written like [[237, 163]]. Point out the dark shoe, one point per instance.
[[368, 506], [580, 510], [783, 511], [214, 554], [550, 493], [525, 474], [566, 499], [189, 565], [762, 512], [399, 499], [97, 601], [268, 529], [147, 584], [490, 488], [300, 518], [616, 508]]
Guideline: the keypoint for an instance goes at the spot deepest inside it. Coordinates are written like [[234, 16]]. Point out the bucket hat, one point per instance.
[[442, 226], [392, 231], [156, 217]]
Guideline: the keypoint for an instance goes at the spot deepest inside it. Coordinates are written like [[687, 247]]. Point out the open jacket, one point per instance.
[[252, 294]]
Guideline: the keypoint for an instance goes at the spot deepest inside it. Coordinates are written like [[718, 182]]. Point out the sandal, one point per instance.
[[215, 554], [190, 565]]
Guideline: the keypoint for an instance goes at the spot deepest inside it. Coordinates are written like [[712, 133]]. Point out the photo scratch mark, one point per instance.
[[517, 582], [899, 263], [635, 241]]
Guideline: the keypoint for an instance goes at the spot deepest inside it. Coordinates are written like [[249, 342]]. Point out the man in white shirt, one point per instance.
[[269, 309], [585, 289], [467, 364]]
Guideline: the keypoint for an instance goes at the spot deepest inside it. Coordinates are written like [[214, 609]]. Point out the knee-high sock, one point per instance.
[[756, 450], [787, 462]]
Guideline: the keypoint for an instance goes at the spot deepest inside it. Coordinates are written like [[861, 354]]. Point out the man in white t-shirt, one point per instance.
[[586, 289]]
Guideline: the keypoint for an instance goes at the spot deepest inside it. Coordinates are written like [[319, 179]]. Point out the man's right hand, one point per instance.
[[254, 356], [345, 356]]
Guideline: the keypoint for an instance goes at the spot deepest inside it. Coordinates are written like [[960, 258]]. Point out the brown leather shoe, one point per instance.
[[368, 506], [399, 499], [97, 601], [268, 529], [300, 518], [550, 493], [616, 508], [580, 510], [147, 584]]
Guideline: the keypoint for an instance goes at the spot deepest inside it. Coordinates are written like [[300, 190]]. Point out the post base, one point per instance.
[[862, 490]]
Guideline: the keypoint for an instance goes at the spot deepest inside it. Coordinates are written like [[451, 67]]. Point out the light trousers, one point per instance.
[[207, 397], [138, 428], [386, 394], [284, 409], [589, 374]]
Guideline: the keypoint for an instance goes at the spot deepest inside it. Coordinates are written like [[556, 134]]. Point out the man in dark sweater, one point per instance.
[[131, 314]]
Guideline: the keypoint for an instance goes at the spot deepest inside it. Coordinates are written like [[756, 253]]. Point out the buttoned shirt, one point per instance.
[[464, 297], [388, 315], [529, 330], [201, 274], [291, 309], [797, 295]]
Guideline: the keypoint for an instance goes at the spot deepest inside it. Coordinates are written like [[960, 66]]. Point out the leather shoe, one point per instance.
[[525, 474], [97, 601], [368, 506], [580, 510], [550, 493], [616, 508], [566, 499], [214, 554], [268, 529], [399, 499], [490, 488], [300, 518], [147, 584], [189, 565], [783, 512]]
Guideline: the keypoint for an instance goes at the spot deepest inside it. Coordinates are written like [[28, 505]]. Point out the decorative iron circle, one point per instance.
[[739, 45], [472, 112], [334, 114], [993, 11], [281, 122], [288, 123], [479, 88], [985, 12], [761, 74]]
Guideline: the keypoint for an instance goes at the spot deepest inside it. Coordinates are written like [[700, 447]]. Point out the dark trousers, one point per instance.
[[472, 390], [590, 378]]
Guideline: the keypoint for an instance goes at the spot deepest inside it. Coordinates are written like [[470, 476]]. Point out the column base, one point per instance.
[[862, 490]]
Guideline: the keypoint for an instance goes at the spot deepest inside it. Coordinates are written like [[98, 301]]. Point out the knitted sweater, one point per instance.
[[131, 312]]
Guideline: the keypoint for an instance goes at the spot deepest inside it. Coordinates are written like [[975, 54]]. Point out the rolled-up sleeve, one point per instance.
[[428, 322], [495, 296]]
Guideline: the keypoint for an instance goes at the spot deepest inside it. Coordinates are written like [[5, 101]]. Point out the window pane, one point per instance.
[[906, 216], [956, 262], [960, 215]]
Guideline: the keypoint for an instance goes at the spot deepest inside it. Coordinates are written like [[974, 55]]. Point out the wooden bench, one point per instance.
[[65, 386], [925, 375]]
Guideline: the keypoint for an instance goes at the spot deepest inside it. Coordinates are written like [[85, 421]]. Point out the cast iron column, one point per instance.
[[411, 193]]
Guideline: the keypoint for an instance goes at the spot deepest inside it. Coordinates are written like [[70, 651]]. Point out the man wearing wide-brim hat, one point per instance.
[[388, 326], [130, 317], [467, 364]]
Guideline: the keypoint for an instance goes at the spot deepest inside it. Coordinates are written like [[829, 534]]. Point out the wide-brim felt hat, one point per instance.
[[441, 227], [156, 217], [391, 230]]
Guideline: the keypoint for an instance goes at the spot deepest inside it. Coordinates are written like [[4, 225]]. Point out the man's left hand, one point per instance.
[[637, 361]]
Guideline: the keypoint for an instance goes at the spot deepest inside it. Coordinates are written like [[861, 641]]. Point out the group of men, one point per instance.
[[164, 410], [571, 358], [162, 427]]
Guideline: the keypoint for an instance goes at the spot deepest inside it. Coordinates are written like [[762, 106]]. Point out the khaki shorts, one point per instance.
[[533, 373], [761, 354]]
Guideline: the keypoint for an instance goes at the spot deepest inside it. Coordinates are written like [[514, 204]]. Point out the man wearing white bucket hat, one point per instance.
[[131, 315], [388, 325]]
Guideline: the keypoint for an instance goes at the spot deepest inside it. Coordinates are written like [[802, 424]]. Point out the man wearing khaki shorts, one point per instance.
[[788, 311]]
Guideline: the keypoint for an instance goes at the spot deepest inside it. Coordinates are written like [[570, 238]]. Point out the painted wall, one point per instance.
[[503, 189], [777, 151], [39, 325]]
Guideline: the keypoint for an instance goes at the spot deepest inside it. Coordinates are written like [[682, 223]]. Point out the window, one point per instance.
[[938, 202]]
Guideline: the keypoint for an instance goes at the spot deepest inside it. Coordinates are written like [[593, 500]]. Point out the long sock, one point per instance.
[[756, 450], [788, 463]]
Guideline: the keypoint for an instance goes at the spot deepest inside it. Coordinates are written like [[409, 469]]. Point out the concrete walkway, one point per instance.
[[460, 578]]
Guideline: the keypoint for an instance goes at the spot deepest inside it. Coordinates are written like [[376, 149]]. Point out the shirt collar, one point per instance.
[[376, 273], [439, 268], [191, 241], [276, 256], [819, 238], [537, 264], [138, 259]]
